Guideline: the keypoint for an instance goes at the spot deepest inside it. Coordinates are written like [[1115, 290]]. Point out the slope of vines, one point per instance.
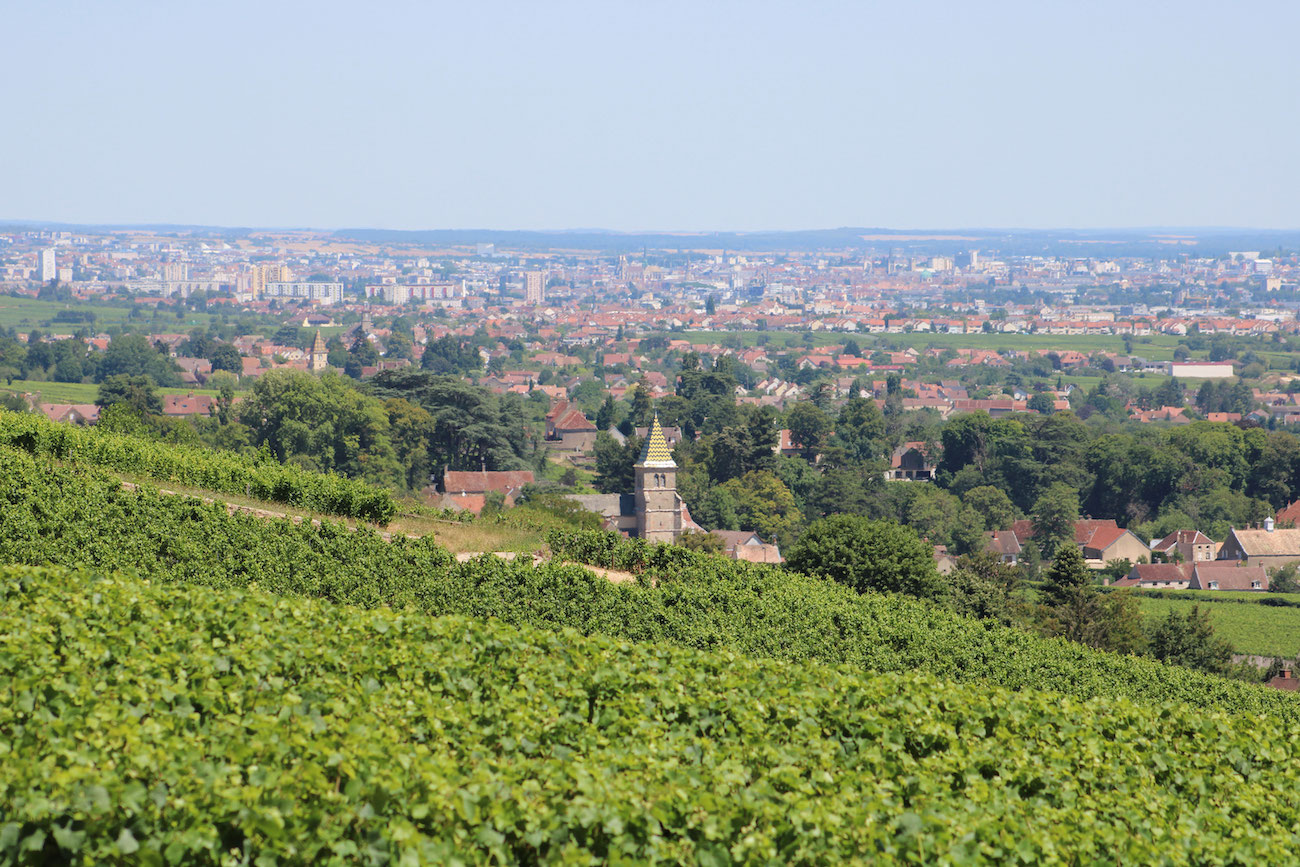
[[161, 724], [67, 516], [224, 472]]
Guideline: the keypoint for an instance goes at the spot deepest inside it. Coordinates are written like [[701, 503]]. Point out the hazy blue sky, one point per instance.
[[652, 115]]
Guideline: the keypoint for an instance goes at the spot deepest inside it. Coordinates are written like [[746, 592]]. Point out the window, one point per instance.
[[1214, 585], [1254, 585]]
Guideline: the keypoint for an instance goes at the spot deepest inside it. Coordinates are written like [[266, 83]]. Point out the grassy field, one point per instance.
[[27, 313], [457, 537], [1256, 629], [77, 392]]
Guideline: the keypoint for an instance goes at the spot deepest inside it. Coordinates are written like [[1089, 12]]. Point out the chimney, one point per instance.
[[1268, 525], [1286, 674]]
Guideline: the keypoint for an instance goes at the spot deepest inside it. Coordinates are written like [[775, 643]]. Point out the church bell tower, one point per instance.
[[658, 510]]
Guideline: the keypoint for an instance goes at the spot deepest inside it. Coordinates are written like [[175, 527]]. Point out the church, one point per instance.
[[653, 511]]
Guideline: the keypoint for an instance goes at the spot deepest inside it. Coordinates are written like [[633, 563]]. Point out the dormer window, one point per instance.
[[1214, 585], [1254, 585]]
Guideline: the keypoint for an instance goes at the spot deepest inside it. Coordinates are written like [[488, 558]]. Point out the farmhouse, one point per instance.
[[1269, 547]]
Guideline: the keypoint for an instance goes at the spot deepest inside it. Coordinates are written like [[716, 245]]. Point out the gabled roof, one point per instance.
[[1003, 542], [1268, 543], [1290, 514], [573, 419], [1228, 577], [1182, 537], [1152, 573], [476, 482]]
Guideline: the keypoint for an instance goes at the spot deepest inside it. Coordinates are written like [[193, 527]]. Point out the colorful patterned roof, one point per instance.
[[656, 451]]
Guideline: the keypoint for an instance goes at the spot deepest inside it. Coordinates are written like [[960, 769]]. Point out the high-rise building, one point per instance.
[[49, 269], [175, 272], [262, 275], [534, 288]]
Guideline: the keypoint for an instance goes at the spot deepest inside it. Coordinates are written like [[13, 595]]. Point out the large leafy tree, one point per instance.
[[867, 555], [133, 355], [136, 392], [765, 505], [472, 428], [322, 423]]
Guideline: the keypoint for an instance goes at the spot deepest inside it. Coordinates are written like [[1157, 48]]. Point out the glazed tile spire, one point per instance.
[[656, 451]]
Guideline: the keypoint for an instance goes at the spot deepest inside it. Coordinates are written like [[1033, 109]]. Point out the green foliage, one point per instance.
[[705, 543], [322, 423], [764, 505], [867, 555], [225, 472], [1054, 515], [615, 473], [61, 515], [244, 727], [137, 392], [1188, 639], [471, 427], [131, 355]]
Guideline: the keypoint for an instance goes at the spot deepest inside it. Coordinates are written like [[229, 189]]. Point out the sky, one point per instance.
[[642, 115]]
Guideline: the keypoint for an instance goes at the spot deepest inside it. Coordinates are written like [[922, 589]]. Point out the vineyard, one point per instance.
[[76, 516], [1265, 630], [167, 724], [262, 478]]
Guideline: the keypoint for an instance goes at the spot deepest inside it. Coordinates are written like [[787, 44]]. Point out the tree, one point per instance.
[[1190, 640], [321, 423], [288, 335], [860, 429], [867, 555], [1069, 593], [137, 392], [1284, 579], [615, 473], [705, 543], [993, 505], [605, 415], [224, 356], [642, 407], [1043, 402], [410, 428], [808, 426], [132, 355], [765, 505], [361, 354], [1054, 516]]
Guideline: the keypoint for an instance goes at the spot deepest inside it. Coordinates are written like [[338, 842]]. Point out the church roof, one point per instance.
[[318, 345], [656, 451]]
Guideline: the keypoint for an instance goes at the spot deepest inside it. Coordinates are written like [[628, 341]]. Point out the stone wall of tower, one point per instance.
[[658, 514]]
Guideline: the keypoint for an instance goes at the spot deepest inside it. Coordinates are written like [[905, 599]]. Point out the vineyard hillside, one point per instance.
[[172, 724], [78, 516]]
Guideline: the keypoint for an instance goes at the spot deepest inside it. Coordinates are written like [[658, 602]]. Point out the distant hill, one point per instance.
[[1096, 243]]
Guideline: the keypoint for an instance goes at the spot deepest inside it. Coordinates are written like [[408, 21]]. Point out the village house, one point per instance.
[[744, 545], [1227, 576], [70, 413], [1270, 547], [1163, 576], [1099, 540], [1005, 545], [1190, 546], [469, 489], [911, 462], [569, 428]]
